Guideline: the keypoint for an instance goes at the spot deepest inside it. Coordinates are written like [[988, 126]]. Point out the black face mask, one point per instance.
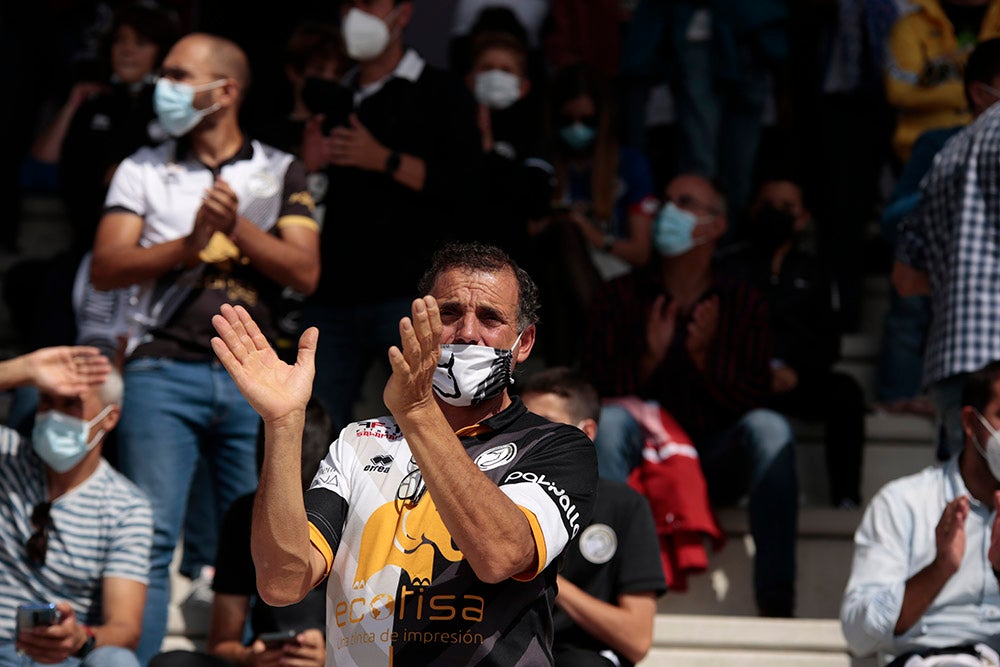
[[333, 100], [770, 227]]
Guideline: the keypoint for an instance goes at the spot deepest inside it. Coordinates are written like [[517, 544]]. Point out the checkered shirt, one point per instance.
[[954, 235]]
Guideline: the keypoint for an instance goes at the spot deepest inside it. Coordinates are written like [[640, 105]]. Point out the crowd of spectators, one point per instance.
[[687, 182]]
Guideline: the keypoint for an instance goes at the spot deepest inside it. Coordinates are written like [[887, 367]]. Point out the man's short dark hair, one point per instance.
[[983, 64], [498, 39], [978, 388], [475, 256], [581, 397]]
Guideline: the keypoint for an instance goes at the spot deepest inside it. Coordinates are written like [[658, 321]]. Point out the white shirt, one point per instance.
[[896, 539]]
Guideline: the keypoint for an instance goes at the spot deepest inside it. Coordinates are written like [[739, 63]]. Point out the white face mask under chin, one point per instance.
[[470, 374], [992, 447]]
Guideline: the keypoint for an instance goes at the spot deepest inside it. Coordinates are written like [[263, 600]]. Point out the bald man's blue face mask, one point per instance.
[[174, 105]]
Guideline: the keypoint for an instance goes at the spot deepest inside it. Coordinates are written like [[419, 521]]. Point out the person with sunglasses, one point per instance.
[[73, 531]]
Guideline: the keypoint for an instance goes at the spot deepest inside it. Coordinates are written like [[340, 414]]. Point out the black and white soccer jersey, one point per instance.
[[399, 590]]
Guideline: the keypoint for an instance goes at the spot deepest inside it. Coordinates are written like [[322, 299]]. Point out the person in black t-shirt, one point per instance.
[[401, 164], [612, 573]]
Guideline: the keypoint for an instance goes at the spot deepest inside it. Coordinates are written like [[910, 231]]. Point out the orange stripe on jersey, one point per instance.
[[540, 554], [321, 544]]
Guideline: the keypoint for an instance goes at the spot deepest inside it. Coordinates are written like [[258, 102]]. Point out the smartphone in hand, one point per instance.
[[274, 640], [36, 615]]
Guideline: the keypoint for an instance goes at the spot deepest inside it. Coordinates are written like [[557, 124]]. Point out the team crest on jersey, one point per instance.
[[495, 457], [598, 543], [263, 185]]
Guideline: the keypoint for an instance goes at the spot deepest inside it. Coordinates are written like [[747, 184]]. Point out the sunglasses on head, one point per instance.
[[38, 544]]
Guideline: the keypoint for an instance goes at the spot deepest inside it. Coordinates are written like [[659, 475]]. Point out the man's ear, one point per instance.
[[404, 14], [525, 86], [589, 427], [527, 342]]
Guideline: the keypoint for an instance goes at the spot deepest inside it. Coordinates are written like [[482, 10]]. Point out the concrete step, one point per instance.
[[895, 445], [824, 550], [683, 640]]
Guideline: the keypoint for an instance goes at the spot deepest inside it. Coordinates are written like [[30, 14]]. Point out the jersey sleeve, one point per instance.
[[297, 206], [326, 502], [131, 541], [554, 486], [126, 192]]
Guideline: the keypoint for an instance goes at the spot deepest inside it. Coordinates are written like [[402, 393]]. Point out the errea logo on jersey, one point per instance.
[[377, 429], [559, 495], [379, 463]]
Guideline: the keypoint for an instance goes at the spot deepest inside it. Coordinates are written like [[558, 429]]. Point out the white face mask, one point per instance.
[[497, 89], [992, 447], [61, 440], [470, 374], [365, 36]]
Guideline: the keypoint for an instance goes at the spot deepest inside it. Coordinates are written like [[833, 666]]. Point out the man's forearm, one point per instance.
[[920, 591], [121, 267], [288, 264], [280, 531], [628, 632], [492, 533]]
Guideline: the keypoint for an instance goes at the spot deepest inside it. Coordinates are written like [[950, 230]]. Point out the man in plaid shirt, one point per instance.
[[949, 247]]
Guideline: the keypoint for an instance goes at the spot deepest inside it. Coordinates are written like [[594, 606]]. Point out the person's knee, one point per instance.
[[618, 442], [768, 432]]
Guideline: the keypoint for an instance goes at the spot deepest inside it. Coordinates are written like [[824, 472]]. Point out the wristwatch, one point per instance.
[[88, 645], [392, 163]]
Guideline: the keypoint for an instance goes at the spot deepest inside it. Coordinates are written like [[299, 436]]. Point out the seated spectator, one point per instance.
[[601, 218], [611, 575], [802, 300], [698, 341], [77, 534], [927, 552], [928, 49], [235, 584]]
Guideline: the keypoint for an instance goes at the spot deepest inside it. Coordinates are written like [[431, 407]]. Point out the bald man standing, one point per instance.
[[208, 218]]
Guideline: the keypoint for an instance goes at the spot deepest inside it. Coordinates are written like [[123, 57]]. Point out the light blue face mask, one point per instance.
[[673, 231], [61, 440], [174, 105], [577, 136]]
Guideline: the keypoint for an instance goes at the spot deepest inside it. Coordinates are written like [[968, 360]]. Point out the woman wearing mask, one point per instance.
[[601, 217]]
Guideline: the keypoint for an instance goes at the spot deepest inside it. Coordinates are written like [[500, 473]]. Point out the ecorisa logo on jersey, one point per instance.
[[560, 496], [495, 457], [379, 463], [378, 429]]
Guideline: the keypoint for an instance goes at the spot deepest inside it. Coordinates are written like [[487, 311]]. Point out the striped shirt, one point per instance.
[[737, 375], [102, 528], [954, 236]]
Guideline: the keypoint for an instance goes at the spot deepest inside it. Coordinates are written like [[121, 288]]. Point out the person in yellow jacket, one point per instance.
[[927, 52]]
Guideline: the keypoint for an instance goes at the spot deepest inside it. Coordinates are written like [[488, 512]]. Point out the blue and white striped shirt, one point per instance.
[[100, 529], [954, 235]]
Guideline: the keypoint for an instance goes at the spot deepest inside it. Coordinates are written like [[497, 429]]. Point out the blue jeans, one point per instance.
[[102, 656], [351, 338], [757, 456], [719, 123], [946, 395], [901, 354], [172, 413]]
